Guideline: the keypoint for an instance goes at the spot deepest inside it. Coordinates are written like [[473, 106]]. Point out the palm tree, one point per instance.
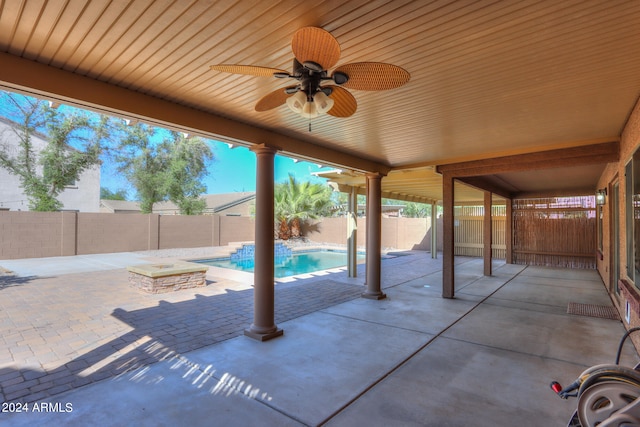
[[295, 202]]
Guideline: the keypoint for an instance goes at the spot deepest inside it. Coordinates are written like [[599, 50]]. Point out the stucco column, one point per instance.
[[448, 243], [263, 327], [434, 230], [374, 236], [487, 234], [508, 232], [352, 233]]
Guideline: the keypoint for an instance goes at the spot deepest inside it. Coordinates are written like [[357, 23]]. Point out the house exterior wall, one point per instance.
[[83, 197], [615, 172]]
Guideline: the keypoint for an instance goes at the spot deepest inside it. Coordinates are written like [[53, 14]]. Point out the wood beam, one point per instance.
[[608, 152], [36, 79], [483, 184], [545, 194]]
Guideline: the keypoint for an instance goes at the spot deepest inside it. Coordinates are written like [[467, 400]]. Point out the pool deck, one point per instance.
[[121, 357]]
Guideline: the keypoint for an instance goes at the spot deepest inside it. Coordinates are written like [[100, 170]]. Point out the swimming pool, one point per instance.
[[296, 263]]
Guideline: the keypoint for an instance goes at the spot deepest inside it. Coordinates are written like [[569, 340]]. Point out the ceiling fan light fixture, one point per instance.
[[297, 102], [310, 110], [323, 102]]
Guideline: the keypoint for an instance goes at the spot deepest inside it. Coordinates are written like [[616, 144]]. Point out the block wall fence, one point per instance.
[[50, 234]]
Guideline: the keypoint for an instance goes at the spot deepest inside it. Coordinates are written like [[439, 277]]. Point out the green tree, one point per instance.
[[188, 167], [295, 202], [107, 194], [74, 142], [160, 168], [143, 163], [416, 210], [341, 202]]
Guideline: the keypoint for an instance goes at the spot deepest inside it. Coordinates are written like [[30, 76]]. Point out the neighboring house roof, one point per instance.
[[113, 206], [216, 203], [221, 202]]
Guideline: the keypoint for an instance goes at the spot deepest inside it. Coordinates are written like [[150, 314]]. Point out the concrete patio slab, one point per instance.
[[314, 370], [453, 383], [168, 393], [308, 375], [400, 310], [484, 358], [585, 340], [56, 266], [552, 295], [579, 275]]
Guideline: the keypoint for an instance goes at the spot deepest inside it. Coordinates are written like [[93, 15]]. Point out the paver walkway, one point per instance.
[[70, 330]]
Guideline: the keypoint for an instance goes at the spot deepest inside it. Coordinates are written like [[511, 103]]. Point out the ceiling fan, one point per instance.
[[315, 52]]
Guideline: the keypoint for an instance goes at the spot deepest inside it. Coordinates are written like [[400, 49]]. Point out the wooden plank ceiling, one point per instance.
[[488, 78]]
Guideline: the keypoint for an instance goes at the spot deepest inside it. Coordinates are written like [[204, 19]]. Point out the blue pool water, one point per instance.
[[285, 266]]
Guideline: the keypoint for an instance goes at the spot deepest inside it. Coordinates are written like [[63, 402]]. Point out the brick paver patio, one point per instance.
[[64, 332]]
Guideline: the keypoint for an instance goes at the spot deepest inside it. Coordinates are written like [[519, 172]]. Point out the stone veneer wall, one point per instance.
[[156, 285]]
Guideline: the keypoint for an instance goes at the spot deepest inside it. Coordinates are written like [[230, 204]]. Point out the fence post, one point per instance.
[[154, 231], [69, 234]]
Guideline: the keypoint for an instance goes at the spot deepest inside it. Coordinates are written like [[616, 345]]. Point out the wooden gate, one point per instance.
[[556, 232]]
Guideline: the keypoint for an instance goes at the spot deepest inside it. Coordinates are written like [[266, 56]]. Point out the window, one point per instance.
[[632, 193], [636, 215], [71, 183]]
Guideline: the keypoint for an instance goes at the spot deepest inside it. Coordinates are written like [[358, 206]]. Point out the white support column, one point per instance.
[[263, 327], [374, 236], [352, 233]]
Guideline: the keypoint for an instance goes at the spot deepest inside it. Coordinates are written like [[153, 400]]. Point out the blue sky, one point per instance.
[[232, 170]]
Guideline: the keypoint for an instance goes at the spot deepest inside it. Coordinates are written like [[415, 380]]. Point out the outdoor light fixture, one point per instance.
[[601, 196]]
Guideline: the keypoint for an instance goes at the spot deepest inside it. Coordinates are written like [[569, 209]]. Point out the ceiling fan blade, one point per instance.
[[250, 70], [344, 104], [373, 75], [312, 44], [273, 99]]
